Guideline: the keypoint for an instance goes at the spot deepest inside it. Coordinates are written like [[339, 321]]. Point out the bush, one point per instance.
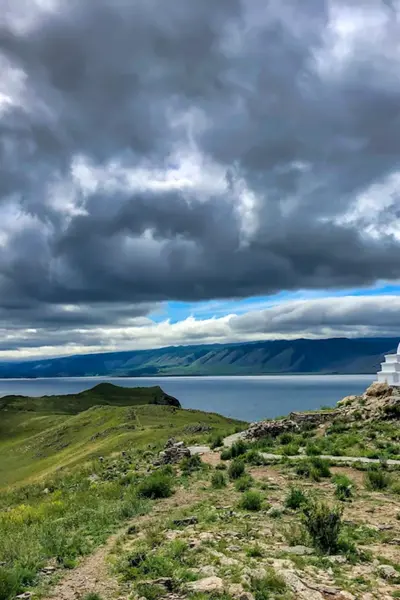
[[238, 449], [253, 457], [157, 485], [377, 479], [344, 488], [312, 450], [92, 596], [320, 466], [323, 523], [290, 449], [226, 454], [221, 466], [251, 500], [191, 464], [236, 469], [216, 441], [295, 499], [244, 483], [218, 480]]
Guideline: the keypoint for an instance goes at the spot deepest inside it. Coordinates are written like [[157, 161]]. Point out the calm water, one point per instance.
[[247, 398]]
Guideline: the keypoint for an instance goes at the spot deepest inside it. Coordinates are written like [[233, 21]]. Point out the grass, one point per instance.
[[251, 500], [157, 485], [218, 480], [377, 479], [272, 585], [236, 469], [62, 525], [35, 445], [344, 487], [295, 498], [323, 523]]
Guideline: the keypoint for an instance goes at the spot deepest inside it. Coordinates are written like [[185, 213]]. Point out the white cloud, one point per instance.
[[348, 316]]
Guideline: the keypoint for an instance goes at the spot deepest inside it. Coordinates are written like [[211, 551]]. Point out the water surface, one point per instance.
[[248, 398]]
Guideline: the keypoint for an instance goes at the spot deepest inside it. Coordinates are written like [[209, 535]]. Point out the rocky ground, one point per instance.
[[241, 529]]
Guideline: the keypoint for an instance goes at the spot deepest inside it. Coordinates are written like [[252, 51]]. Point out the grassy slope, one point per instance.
[[33, 445]]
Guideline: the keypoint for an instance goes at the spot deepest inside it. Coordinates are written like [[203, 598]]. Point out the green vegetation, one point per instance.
[[236, 469], [156, 485], [315, 468], [272, 585], [323, 524], [295, 499], [344, 487], [218, 480], [244, 483], [377, 479], [251, 500], [103, 394], [35, 444]]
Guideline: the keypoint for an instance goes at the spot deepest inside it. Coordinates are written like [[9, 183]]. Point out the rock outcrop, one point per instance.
[[173, 453], [270, 428], [379, 401]]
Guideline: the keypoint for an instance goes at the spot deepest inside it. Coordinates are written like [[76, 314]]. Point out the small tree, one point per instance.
[[323, 523]]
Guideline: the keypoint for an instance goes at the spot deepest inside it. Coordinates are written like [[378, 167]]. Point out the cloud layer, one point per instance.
[[154, 151], [348, 316]]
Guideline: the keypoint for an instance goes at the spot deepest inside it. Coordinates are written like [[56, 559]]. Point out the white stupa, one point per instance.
[[390, 371]]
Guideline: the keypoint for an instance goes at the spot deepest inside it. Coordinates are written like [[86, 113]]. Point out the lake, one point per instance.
[[246, 398]]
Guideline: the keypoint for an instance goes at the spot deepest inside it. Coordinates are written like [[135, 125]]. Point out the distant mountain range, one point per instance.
[[336, 355]]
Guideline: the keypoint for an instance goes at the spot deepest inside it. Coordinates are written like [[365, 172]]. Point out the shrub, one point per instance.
[[157, 485], [236, 469], [377, 479], [295, 499], [286, 438], [255, 552], [251, 500], [221, 466], [253, 457], [323, 523], [226, 454], [344, 488], [244, 483], [290, 449], [216, 441], [190, 464], [218, 480], [238, 449], [320, 466], [312, 450]]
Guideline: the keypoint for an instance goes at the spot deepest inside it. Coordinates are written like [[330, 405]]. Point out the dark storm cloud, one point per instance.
[[298, 118]]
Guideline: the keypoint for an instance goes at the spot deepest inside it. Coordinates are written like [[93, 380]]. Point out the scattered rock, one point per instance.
[[300, 550], [186, 521], [208, 585], [236, 590], [234, 549], [207, 571], [48, 570], [395, 542], [337, 559], [206, 536], [388, 572], [24, 596]]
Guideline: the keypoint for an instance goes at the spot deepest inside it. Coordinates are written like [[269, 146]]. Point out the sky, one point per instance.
[[176, 172]]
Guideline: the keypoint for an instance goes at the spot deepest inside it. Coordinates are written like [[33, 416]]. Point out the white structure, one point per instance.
[[390, 372]]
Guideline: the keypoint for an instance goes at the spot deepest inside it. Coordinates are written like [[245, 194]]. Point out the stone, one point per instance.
[[337, 559], [206, 536], [48, 570], [186, 521], [173, 452], [24, 596], [246, 596], [234, 548], [395, 542], [208, 585], [236, 590], [388, 572], [207, 571], [300, 550]]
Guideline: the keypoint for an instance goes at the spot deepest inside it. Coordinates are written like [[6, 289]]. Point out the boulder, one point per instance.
[[208, 585], [388, 572]]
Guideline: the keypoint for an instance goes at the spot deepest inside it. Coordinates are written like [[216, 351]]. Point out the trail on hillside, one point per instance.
[[93, 574]]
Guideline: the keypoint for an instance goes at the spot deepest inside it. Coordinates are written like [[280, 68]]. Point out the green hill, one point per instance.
[[39, 436], [103, 394]]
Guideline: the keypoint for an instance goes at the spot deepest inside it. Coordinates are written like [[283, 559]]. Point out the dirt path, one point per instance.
[[93, 574]]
